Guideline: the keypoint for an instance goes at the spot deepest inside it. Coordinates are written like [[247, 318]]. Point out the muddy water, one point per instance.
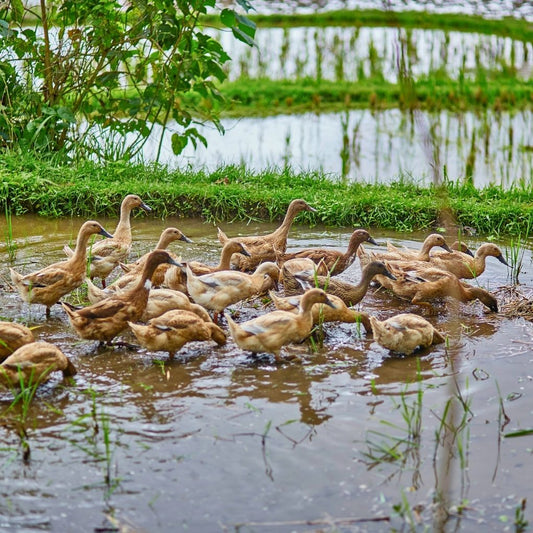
[[217, 438]]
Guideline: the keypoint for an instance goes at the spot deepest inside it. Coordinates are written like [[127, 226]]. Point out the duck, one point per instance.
[[263, 247], [393, 253], [340, 312], [335, 261], [405, 333], [173, 329], [162, 300], [12, 336], [104, 320], [48, 285], [424, 286], [106, 255], [228, 249], [175, 278], [218, 290], [32, 364], [303, 266], [350, 294], [465, 266], [269, 332], [168, 235]]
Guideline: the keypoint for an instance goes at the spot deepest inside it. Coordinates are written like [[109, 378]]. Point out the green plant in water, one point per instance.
[[402, 446], [11, 245], [23, 393], [520, 521]]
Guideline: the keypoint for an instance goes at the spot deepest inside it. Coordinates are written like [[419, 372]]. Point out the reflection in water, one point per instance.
[[352, 54], [372, 147]]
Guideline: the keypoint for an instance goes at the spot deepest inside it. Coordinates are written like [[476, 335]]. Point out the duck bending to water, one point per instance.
[[405, 333], [422, 286], [269, 332], [48, 285], [218, 290], [173, 329], [263, 247], [104, 320], [13, 336], [334, 260], [32, 364], [340, 312], [350, 294], [106, 255]]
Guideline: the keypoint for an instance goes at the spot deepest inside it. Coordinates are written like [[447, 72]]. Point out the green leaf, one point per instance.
[[228, 17], [178, 143], [520, 433], [17, 10], [243, 37]]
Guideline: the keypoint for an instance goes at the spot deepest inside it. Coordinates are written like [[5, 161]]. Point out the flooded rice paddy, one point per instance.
[[352, 53], [350, 439], [367, 146]]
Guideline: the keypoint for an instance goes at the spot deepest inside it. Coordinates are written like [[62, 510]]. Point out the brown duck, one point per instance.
[[422, 286], [106, 255], [32, 364], [12, 337], [104, 320], [340, 312], [398, 254], [263, 247], [172, 330], [48, 285], [405, 333], [334, 260], [269, 332], [350, 294]]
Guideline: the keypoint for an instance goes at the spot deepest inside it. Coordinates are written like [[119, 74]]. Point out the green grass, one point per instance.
[[86, 189], [262, 97]]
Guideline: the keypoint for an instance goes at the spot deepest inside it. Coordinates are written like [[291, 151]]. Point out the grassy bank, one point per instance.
[[262, 97], [90, 190], [505, 27]]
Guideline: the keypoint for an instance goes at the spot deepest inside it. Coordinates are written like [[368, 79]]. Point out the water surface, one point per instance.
[[218, 438]]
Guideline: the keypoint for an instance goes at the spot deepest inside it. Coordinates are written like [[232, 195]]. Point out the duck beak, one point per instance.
[[245, 252], [447, 248], [372, 241], [176, 263], [105, 233], [391, 276], [312, 209], [469, 252], [330, 303], [184, 238], [502, 260], [145, 207]]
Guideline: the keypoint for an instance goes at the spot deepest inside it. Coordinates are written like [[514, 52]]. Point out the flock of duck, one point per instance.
[[166, 302]]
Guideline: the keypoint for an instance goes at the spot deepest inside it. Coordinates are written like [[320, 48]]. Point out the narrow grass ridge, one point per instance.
[[87, 189]]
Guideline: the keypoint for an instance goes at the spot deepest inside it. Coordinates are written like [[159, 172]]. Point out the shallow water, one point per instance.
[[338, 53], [217, 438], [366, 146]]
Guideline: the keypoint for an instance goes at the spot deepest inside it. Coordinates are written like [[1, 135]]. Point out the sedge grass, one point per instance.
[[88, 189]]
